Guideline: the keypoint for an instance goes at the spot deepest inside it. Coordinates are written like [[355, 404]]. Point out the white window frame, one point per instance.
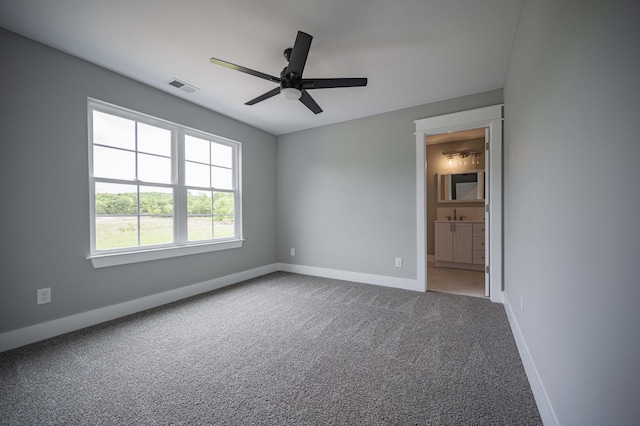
[[181, 246]]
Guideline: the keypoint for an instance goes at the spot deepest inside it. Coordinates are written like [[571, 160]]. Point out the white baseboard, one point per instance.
[[34, 333], [359, 277], [539, 393], [497, 297]]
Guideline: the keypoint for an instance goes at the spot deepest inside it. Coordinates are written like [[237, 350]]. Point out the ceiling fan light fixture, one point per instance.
[[291, 93]]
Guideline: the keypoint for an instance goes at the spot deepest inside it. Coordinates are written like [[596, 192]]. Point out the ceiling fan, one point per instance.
[[291, 84]]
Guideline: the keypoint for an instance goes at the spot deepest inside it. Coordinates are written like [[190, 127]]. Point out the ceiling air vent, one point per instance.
[[182, 85]]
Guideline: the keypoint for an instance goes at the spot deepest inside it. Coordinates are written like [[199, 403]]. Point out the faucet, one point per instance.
[[454, 215], [461, 217]]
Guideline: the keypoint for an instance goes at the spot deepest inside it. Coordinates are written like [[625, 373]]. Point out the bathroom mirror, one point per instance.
[[461, 187]]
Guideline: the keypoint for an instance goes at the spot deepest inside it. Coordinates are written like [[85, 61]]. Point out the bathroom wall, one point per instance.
[[437, 164]]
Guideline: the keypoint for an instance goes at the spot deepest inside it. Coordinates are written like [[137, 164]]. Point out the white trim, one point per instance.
[[539, 393], [34, 333], [487, 218], [114, 259], [359, 277], [495, 209], [463, 120], [421, 207], [481, 117]]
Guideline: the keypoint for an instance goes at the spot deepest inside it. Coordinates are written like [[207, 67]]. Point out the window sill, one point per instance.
[[123, 258]]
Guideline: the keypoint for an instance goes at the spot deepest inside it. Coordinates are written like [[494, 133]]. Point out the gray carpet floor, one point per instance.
[[279, 349]]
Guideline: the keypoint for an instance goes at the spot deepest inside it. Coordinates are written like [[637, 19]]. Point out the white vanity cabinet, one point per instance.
[[457, 245], [478, 243]]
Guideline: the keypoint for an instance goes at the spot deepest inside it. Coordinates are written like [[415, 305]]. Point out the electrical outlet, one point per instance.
[[521, 305], [44, 296], [398, 262], [293, 252]]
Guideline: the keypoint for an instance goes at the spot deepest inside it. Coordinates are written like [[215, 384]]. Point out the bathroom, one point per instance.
[[456, 212]]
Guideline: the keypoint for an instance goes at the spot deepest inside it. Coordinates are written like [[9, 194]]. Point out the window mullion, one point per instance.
[[136, 178], [180, 203], [213, 194], [138, 210]]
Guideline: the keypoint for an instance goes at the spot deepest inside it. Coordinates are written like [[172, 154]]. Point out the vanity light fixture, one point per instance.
[[450, 158], [463, 158], [475, 156]]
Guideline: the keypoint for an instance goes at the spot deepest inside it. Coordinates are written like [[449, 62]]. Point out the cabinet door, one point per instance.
[[478, 243], [444, 242], [478, 229], [463, 243], [478, 257]]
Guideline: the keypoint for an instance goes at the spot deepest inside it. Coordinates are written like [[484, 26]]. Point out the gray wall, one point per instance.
[[44, 219], [347, 192], [572, 198]]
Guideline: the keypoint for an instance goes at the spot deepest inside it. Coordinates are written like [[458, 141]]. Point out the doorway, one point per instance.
[[456, 193], [489, 119]]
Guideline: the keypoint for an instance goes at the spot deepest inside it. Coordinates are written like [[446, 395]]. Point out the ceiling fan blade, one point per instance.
[[264, 96], [299, 54], [329, 83], [245, 70], [310, 103]]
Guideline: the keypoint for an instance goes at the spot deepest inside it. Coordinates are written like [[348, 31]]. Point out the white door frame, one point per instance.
[[488, 117]]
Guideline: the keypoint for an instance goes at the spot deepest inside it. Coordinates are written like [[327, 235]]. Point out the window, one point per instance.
[[158, 189]]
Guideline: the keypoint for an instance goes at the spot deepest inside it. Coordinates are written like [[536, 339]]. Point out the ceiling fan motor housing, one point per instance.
[[290, 87]]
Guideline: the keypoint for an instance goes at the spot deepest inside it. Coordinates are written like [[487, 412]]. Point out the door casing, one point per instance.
[[490, 118]]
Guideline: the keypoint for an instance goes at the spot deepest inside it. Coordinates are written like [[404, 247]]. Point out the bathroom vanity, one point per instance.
[[460, 244]]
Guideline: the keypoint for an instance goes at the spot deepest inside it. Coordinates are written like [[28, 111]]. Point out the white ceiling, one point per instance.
[[412, 51]]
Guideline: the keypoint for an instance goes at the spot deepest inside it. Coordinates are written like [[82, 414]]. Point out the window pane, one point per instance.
[[156, 201], [223, 210], [116, 232], [113, 131], [196, 149], [223, 203], [197, 175], [223, 227], [114, 163], [154, 140], [156, 220], [221, 155], [114, 199], [199, 202], [199, 228], [152, 168], [116, 216], [156, 230], [221, 178], [199, 205]]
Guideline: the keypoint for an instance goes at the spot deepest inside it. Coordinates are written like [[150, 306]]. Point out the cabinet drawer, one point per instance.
[[478, 257], [478, 243], [478, 229]]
